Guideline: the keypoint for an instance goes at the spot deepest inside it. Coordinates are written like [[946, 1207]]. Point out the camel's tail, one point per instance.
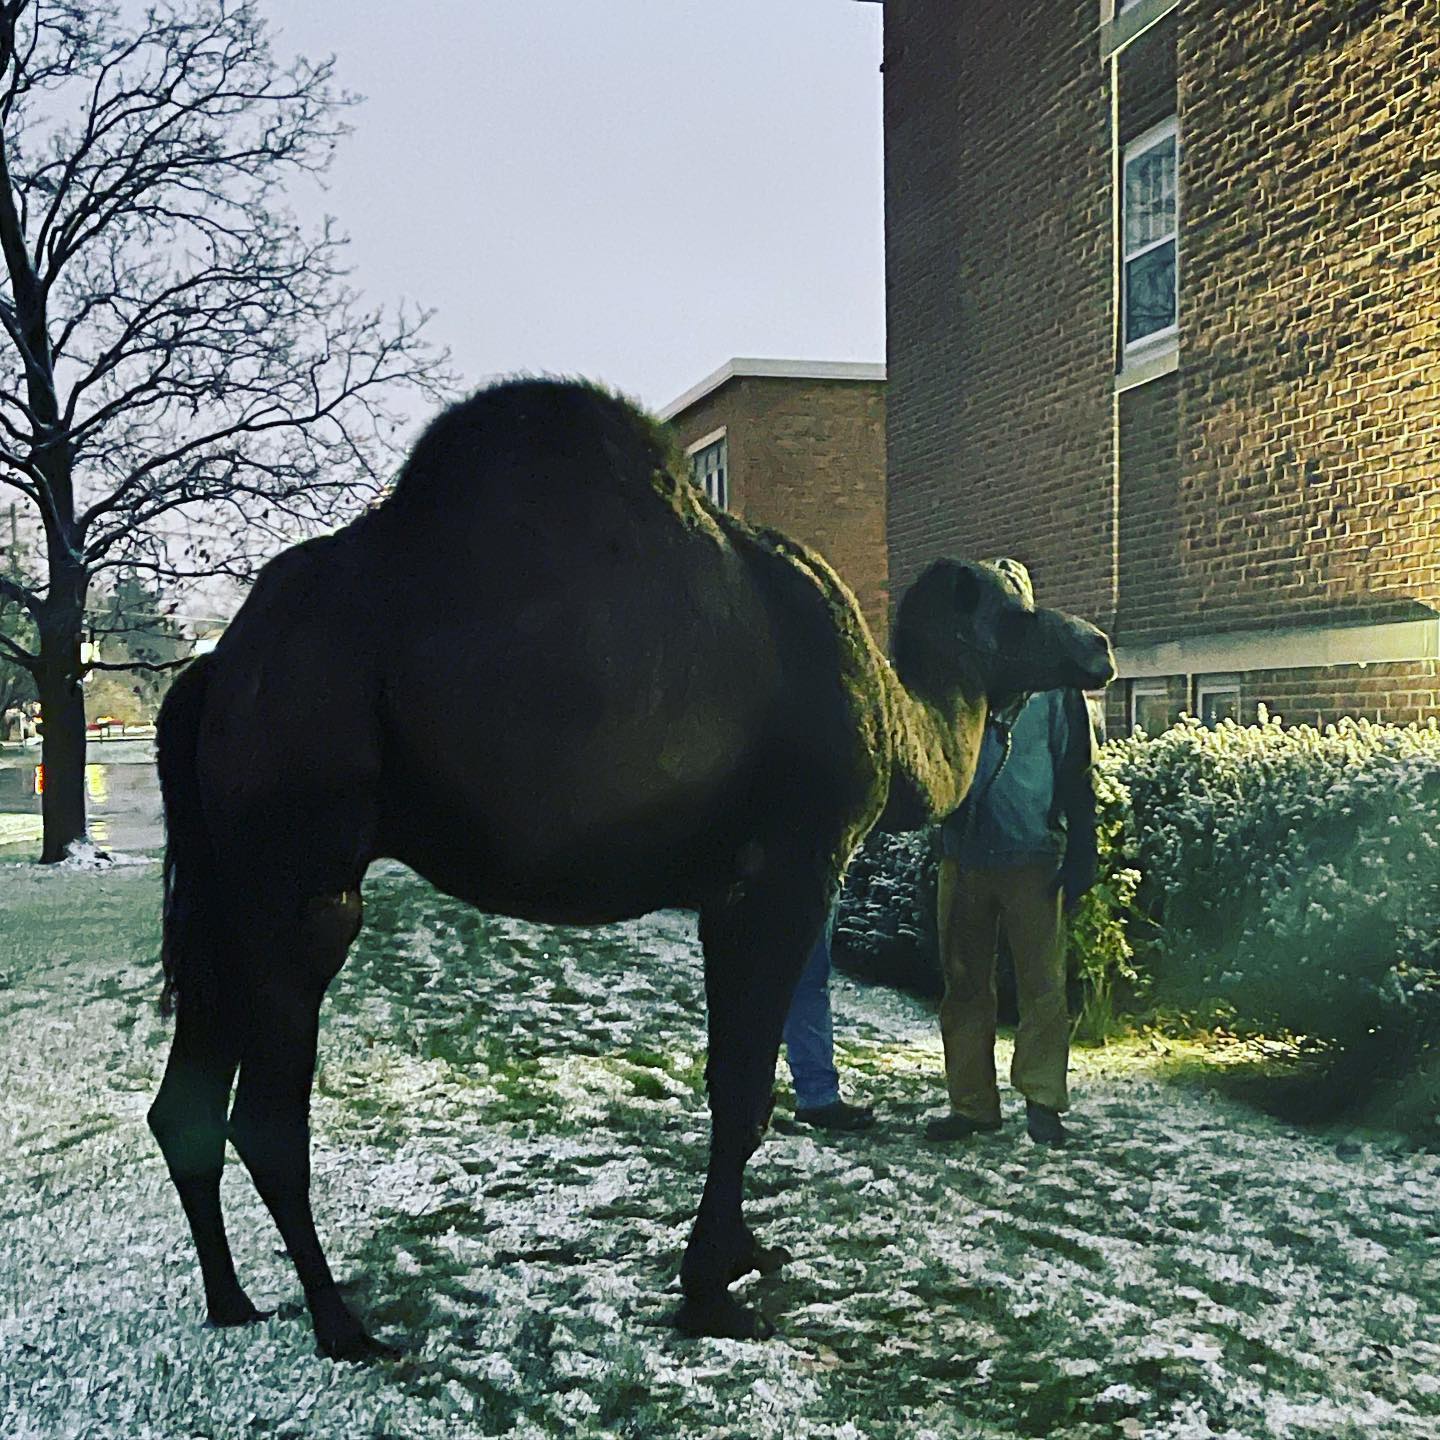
[[189, 932]]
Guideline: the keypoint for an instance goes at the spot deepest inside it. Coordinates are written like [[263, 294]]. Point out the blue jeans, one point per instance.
[[809, 1036]]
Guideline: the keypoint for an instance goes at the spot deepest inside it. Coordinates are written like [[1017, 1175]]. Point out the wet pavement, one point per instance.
[[122, 797]]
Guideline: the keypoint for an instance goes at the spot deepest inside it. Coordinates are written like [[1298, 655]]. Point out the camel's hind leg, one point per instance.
[[270, 1124], [755, 944], [188, 1121]]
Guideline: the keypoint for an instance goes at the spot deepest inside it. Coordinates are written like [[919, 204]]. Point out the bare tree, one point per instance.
[[186, 378]]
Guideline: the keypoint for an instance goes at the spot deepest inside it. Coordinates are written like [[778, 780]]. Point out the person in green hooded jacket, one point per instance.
[[1019, 853]]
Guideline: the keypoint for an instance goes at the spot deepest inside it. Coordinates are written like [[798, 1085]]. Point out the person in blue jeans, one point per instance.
[[810, 1048]]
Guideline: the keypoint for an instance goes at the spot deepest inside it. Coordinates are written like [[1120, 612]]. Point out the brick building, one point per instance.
[[798, 445], [1164, 321]]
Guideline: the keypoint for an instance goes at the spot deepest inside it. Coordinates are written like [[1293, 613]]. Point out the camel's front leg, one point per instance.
[[721, 1248], [755, 948]]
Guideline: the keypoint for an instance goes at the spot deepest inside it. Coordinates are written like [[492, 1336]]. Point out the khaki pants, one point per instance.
[[970, 907]]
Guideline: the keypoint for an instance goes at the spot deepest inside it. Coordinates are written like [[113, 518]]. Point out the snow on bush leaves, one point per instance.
[[1295, 874]]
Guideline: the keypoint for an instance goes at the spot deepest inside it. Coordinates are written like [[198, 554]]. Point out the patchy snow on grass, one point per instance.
[[86, 855], [510, 1140]]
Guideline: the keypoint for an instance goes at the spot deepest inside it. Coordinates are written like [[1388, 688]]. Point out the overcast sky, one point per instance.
[[633, 190]]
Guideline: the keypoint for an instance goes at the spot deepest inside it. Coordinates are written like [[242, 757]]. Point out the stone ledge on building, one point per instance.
[[1292, 648]]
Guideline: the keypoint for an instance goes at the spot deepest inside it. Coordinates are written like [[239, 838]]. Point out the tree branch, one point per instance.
[[154, 667], [17, 654], [190, 383], [16, 593]]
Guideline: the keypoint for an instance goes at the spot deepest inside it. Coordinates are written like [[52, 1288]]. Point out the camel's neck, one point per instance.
[[935, 753]]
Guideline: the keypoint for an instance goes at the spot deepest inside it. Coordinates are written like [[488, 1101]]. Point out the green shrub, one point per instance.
[[885, 926], [1108, 928], [1343, 943], [1221, 814], [1293, 876]]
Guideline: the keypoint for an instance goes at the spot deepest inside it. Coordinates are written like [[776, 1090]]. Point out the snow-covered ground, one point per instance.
[[510, 1135]]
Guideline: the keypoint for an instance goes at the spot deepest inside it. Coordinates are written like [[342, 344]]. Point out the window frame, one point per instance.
[[1095, 708], [1143, 687], [1136, 351], [716, 438], [1221, 682]]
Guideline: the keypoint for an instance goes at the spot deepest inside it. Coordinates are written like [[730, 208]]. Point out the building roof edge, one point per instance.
[[743, 368]]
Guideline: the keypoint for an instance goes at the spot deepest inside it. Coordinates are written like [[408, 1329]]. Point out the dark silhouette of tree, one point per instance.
[[186, 380]]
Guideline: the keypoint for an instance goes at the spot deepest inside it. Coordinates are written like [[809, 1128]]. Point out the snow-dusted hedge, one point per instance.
[[1221, 816], [1109, 935], [885, 928], [1295, 874]]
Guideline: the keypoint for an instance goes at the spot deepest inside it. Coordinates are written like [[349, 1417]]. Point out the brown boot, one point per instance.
[[1044, 1124], [955, 1126], [838, 1115]]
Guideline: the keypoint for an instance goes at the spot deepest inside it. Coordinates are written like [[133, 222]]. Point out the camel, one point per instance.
[[605, 697]]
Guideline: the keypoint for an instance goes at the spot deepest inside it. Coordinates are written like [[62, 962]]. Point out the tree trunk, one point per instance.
[[62, 712]]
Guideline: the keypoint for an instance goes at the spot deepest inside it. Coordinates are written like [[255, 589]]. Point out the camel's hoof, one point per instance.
[[770, 1258], [239, 1311], [725, 1319], [358, 1347], [339, 1335], [763, 1260]]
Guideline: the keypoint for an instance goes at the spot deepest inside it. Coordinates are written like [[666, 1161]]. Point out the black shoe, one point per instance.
[[959, 1127], [837, 1115], [1044, 1124]]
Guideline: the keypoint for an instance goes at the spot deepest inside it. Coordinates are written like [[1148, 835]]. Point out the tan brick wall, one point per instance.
[[807, 457], [1149, 511], [1289, 473], [1310, 312], [1398, 691], [997, 129]]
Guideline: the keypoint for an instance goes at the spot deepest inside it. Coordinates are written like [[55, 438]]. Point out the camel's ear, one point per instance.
[[967, 589]]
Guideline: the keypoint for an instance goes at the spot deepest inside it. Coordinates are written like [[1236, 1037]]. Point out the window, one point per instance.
[[709, 466], [1217, 698], [1149, 289], [1095, 704], [1150, 706]]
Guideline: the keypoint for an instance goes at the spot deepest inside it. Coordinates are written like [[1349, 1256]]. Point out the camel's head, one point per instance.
[[972, 628]]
